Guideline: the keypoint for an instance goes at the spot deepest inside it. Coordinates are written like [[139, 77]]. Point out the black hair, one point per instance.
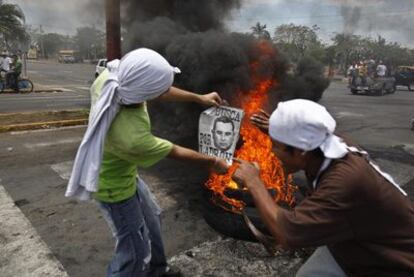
[[223, 119], [317, 152]]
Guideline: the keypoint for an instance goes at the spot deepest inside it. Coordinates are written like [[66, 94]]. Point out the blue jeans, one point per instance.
[[136, 226]]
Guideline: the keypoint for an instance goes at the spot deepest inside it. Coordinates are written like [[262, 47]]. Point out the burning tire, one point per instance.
[[232, 224]]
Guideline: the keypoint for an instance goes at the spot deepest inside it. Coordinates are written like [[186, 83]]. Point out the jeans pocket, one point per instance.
[[147, 197]]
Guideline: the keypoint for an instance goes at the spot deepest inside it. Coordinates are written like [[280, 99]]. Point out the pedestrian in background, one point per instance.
[[381, 69], [5, 63]]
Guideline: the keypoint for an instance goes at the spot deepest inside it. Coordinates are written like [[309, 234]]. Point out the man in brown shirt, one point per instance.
[[361, 221]]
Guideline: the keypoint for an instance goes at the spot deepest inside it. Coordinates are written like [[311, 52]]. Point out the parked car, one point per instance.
[[372, 85], [100, 66], [66, 59], [404, 76]]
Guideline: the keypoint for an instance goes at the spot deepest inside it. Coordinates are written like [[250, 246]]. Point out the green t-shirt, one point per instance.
[[18, 66], [129, 144]]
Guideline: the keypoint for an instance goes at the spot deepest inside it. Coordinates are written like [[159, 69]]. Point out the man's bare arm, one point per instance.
[[248, 175], [180, 95], [211, 163]]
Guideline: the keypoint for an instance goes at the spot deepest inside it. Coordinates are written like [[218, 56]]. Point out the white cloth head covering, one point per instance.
[[306, 125], [141, 75]]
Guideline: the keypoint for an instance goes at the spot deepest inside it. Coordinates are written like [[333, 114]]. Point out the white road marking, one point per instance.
[[409, 148], [83, 88], [347, 114], [63, 169], [52, 143], [68, 90]]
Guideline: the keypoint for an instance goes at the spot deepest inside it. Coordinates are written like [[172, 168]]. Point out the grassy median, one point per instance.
[[42, 120]]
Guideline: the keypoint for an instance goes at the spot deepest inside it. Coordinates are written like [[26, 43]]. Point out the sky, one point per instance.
[[274, 13], [61, 16], [391, 19]]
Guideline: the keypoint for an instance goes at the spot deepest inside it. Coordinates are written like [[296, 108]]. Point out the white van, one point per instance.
[[101, 66]]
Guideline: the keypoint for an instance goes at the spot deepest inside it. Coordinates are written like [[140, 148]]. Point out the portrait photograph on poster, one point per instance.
[[219, 130]]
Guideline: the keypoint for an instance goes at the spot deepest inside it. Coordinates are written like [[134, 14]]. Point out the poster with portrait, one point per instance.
[[218, 131]]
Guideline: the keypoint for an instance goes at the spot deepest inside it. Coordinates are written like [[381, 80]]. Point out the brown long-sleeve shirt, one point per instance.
[[367, 223]]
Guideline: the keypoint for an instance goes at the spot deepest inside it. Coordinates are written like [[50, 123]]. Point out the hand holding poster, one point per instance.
[[219, 130]]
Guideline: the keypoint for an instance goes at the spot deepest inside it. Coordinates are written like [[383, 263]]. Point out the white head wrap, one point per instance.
[[306, 125], [141, 75]]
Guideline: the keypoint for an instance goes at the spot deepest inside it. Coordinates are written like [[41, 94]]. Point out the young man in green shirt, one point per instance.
[[124, 198]]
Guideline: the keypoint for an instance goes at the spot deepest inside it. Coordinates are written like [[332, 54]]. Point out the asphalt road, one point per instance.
[[372, 120], [77, 77], [35, 166], [73, 80]]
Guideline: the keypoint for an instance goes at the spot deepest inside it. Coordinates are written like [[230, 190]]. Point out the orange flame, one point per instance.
[[257, 147]]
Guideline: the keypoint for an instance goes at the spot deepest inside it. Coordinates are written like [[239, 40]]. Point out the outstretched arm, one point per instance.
[[248, 175], [180, 95], [214, 164]]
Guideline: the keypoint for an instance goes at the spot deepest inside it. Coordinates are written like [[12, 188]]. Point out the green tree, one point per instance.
[[12, 29], [52, 43], [90, 42], [390, 52], [352, 48], [260, 32], [348, 49], [298, 41]]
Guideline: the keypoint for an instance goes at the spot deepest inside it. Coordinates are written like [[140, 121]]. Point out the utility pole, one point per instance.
[[41, 41], [113, 29]]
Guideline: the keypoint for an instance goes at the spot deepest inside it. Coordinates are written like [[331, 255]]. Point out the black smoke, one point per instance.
[[192, 36], [351, 17], [194, 15], [378, 16]]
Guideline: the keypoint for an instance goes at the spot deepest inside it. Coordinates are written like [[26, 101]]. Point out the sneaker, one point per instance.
[[172, 271]]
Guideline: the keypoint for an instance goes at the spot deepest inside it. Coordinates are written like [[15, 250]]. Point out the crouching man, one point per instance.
[[361, 221]]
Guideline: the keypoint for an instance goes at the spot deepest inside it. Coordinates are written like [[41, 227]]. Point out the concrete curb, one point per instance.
[[42, 111], [23, 253], [34, 91], [46, 90], [43, 125]]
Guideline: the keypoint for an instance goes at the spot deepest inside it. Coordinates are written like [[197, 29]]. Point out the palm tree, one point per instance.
[[260, 31], [12, 21]]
